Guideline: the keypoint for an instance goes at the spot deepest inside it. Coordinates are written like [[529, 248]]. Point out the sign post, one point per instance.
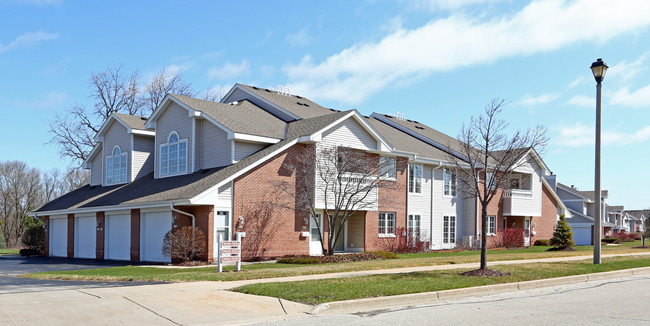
[[229, 251]]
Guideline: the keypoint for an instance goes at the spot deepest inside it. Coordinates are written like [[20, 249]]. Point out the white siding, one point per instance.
[[446, 206], [526, 206], [175, 118], [117, 135], [96, 170], [215, 148], [142, 155], [420, 204], [244, 149], [349, 133], [225, 193]]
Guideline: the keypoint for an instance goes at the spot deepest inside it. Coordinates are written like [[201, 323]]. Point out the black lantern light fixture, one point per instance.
[[599, 68]]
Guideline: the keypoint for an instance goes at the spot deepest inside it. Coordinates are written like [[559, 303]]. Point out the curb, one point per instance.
[[409, 300]]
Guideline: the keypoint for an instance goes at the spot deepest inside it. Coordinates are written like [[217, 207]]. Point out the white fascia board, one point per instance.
[[254, 138], [565, 209], [92, 155], [214, 188], [257, 97], [110, 208], [567, 189], [143, 132]]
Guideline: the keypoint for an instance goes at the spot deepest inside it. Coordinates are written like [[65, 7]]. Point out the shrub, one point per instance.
[[184, 244], [637, 235], [3, 244], [511, 238], [562, 236], [611, 240], [344, 258], [543, 242], [29, 252], [385, 254], [403, 244], [625, 237], [299, 260], [34, 239]]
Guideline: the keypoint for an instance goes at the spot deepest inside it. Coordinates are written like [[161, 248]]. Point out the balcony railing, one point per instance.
[[517, 193], [519, 202]]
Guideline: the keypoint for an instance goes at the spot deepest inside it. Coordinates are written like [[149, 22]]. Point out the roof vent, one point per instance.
[[298, 96], [419, 127], [255, 87], [398, 115], [143, 118], [234, 103], [283, 90]]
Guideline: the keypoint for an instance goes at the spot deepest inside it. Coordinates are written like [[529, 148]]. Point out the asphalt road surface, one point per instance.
[[622, 301]]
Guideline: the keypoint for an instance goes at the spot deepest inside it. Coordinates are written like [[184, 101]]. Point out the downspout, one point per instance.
[[171, 206], [433, 207]]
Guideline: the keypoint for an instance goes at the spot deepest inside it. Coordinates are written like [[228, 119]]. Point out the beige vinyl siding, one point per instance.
[[420, 203], [175, 118], [349, 133], [215, 148], [244, 149], [447, 206], [143, 149], [117, 135], [96, 169]]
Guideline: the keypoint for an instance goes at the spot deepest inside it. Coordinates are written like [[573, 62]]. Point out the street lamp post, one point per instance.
[[599, 68]]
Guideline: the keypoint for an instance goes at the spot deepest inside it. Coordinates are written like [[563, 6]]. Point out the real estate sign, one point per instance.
[[229, 251]]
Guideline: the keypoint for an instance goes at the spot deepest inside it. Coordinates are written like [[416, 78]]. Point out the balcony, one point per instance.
[[519, 202]]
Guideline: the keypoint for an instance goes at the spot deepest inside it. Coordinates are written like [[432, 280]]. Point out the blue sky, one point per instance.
[[439, 62]]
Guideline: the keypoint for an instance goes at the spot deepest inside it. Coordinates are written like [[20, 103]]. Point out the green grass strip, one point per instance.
[[8, 252], [328, 290]]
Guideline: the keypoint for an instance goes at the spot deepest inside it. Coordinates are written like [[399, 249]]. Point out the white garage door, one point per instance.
[[118, 237], [85, 235], [59, 237], [153, 227], [582, 236]]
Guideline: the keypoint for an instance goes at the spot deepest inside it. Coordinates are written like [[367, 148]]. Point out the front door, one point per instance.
[[315, 246], [527, 232]]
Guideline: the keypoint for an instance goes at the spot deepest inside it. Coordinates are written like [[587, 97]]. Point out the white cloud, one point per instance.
[[529, 100], [638, 98], [178, 68], [27, 40], [581, 100], [300, 38], [366, 68], [583, 135], [576, 82], [229, 70], [625, 71], [436, 5]]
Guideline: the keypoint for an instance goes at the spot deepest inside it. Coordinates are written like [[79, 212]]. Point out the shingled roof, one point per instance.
[[405, 142], [296, 105], [133, 121], [184, 187]]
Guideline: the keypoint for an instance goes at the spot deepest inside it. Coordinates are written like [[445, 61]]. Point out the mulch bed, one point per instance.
[[561, 249], [641, 247], [484, 272]]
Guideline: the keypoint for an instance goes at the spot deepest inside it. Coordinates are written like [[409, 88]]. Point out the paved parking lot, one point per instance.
[[12, 266]]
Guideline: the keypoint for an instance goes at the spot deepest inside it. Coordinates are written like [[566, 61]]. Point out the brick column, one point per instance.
[[46, 224], [135, 235], [99, 245], [70, 235]]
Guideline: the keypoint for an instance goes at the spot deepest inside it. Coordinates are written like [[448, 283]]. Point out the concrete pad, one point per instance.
[[552, 281], [477, 291], [609, 275], [373, 304]]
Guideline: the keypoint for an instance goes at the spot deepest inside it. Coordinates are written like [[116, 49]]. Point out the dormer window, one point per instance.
[[116, 167], [173, 156]]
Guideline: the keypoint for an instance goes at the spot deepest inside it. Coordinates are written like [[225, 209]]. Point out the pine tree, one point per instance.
[[562, 236]]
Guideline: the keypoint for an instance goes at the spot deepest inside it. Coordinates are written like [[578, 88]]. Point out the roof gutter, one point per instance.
[[171, 206], [102, 209]]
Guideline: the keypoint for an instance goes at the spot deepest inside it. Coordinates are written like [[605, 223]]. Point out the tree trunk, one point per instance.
[[483, 235]]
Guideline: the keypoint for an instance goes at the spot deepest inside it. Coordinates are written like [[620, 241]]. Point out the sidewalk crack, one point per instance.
[[155, 313], [281, 305]]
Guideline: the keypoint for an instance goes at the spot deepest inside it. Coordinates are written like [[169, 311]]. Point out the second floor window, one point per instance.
[[173, 156], [415, 178], [449, 182], [387, 167], [492, 225], [116, 167]]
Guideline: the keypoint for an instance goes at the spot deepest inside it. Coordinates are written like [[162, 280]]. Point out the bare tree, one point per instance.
[[163, 83], [487, 156], [115, 90], [20, 192], [338, 181]]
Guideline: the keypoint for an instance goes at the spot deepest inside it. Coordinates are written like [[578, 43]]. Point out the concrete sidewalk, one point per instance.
[[194, 303]]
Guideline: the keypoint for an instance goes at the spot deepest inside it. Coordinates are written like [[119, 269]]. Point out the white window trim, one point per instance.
[[452, 194], [408, 219], [123, 155], [385, 234], [394, 168], [455, 229], [414, 179], [495, 225], [180, 141]]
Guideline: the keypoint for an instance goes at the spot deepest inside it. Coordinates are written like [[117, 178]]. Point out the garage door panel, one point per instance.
[[118, 237], [154, 226], [582, 236], [58, 237], [85, 237]]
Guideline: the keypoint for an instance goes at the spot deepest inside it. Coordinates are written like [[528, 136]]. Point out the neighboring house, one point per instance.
[[214, 165], [637, 218]]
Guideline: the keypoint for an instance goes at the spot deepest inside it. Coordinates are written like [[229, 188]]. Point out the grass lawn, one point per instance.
[[267, 270], [320, 291], [8, 252]]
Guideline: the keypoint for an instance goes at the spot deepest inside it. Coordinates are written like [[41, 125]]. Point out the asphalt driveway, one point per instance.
[[12, 266]]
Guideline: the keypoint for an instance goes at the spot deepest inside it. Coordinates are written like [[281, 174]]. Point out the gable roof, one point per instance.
[[132, 121], [407, 143], [183, 188], [575, 192], [238, 117]]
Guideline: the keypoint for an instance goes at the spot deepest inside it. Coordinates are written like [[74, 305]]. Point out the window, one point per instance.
[[492, 225], [520, 181], [387, 224], [449, 229], [413, 229], [387, 167], [449, 182], [489, 180], [173, 156], [222, 225], [116, 167], [415, 178]]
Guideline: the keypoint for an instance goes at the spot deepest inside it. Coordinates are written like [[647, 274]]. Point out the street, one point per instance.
[[616, 301]]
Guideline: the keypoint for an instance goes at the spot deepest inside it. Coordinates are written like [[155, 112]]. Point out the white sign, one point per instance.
[[227, 259]]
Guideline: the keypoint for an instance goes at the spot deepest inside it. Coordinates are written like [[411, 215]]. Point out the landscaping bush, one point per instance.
[[29, 252], [611, 240], [543, 242], [34, 239], [637, 235], [3, 245], [625, 237], [562, 236], [403, 244], [184, 244], [343, 258], [511, 238]]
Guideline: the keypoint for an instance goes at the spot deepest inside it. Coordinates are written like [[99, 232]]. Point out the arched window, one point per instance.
[[116, 166], [173, 156]]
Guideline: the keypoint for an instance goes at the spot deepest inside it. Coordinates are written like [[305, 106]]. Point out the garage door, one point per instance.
[[154, 226], [59, 237], [118, 237], [582, 236], [85, 235]]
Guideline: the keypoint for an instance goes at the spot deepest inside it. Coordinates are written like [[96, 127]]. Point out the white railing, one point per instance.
[[517, 193]]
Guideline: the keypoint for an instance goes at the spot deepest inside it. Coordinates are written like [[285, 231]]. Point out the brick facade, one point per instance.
[[204, 221], [545, 225], [46, 235]]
